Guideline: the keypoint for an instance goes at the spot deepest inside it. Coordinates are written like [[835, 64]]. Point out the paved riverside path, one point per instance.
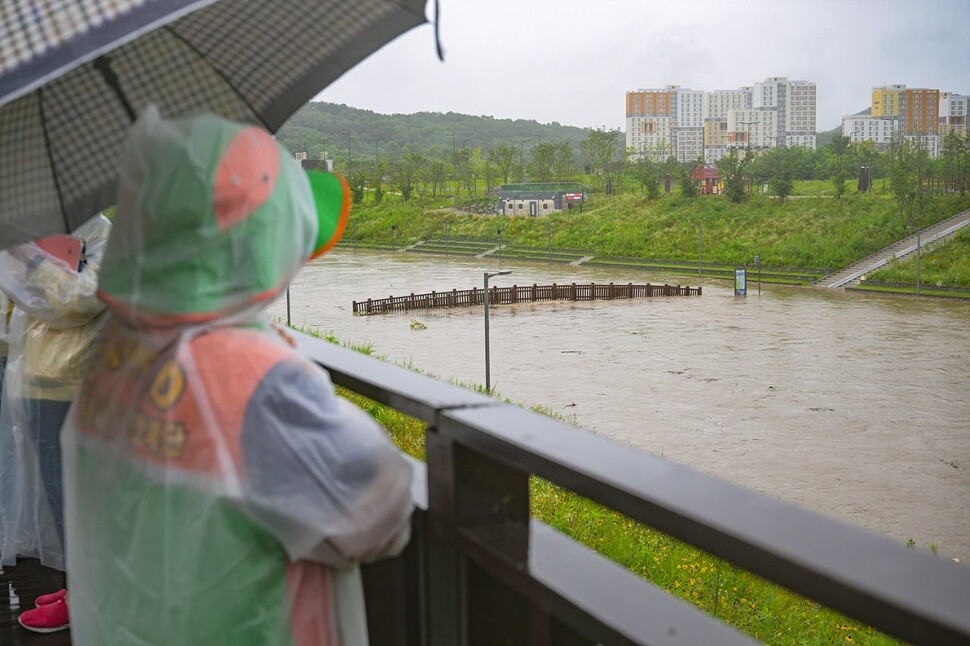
[[851, 275]]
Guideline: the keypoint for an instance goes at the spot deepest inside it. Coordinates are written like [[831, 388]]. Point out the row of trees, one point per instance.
[[465, 169], [469, 171], [907, 164]]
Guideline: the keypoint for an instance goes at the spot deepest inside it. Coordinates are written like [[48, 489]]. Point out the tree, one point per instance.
[[543, 157], [956, 161], [357, 180], [488, 171], [564, 161], [908, 162], [732, 174], [461, 160], [688, 188], [600, 148], [437, 171], [406, 173], [504, 158], [839, 147], [648, 174], [379, 171], [781, 180]]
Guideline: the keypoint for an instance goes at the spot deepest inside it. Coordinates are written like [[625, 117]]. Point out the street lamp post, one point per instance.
[[549, 239], [500, 246], [757, 262], [521, 161], [393, 237], [700, 248], [918, 246], [350, 155], [488, 374]]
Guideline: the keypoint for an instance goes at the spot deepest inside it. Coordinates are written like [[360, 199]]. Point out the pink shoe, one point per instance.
[[46, 619], [47, 599]]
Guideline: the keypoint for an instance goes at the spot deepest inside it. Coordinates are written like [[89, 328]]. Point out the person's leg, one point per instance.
[[46, 418]]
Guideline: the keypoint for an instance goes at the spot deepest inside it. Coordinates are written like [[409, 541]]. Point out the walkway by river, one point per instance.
[[853, 406]]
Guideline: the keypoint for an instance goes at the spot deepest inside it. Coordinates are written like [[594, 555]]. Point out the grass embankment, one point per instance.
[[764, 610], [806, 233], [947, 264]]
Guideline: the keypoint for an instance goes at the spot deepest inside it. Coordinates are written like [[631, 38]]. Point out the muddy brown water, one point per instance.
[[854, 406]]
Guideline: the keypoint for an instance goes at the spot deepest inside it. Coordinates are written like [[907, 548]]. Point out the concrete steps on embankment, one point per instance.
[[851, 275]]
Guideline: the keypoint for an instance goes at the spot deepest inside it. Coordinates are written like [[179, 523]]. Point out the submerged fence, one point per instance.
[[519, 294]]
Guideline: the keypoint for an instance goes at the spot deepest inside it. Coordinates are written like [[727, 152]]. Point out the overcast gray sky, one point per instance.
[[572, 61]]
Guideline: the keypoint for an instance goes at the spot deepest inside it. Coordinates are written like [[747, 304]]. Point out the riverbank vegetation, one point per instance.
[[817, 232], [766, 611], [946, 264]]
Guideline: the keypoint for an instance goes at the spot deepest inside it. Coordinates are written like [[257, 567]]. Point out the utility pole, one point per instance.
[[488, 373], [918, 246], [700, 248]]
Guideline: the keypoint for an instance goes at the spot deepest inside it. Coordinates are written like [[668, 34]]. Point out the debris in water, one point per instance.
[[418, 325]]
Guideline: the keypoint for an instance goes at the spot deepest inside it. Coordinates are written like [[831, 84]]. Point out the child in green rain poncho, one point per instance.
[[217, 489]]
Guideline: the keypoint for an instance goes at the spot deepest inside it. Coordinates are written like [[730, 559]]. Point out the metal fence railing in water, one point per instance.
[[479, 570], [520, 294]]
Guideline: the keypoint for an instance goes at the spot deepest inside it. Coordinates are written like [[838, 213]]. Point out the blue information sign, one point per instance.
[[740, 287]]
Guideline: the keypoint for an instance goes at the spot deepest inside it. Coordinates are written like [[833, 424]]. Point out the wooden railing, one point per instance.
[[519, 294], [480, 571]]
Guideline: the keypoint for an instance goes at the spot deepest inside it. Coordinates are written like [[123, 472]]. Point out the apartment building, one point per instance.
[[798, 114], [859, 128], [954, 113], [689, 106], [886, 100], [687, 144], [692, 123], [754, 129], [718, 103], [919, 111], [920, 115], [651, 114]]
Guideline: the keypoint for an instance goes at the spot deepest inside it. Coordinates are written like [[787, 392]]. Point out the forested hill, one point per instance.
[[339, 130]]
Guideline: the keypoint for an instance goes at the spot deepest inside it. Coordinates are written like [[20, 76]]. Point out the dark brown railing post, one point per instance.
[[444, 580], [485, 500]]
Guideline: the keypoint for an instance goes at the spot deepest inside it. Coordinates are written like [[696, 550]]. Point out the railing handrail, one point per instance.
[[864, 575]]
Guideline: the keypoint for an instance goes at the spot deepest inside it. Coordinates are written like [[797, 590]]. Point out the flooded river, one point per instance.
[[854, 406]]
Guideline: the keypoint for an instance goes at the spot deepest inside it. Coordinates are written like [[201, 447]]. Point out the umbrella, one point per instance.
[[74, 73]]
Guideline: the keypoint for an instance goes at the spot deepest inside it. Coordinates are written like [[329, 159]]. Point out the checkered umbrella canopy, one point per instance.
[[73, 74]]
